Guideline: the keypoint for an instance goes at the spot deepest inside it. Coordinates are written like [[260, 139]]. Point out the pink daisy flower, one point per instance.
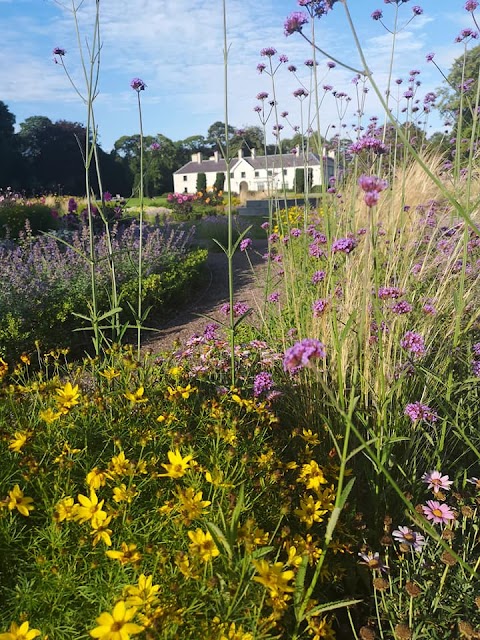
[[438, 512], [436, 481]]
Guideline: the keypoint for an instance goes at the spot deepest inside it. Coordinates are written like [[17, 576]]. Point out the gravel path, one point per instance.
[[249, 285]]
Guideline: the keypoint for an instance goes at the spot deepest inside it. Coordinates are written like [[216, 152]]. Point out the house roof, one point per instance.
[[286, 161]]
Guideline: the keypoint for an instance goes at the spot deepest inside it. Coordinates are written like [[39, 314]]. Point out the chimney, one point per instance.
[[253, 153], [199, 157], [240, 154], [215, 156]]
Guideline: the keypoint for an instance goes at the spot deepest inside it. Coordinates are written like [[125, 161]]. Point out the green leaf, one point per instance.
[[219, 538]]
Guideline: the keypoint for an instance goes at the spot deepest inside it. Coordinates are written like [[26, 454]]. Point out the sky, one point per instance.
[[176, 47]]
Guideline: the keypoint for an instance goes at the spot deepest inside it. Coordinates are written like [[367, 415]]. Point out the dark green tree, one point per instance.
[[201, 182], [11, 166], [457, 97], [216, 135]]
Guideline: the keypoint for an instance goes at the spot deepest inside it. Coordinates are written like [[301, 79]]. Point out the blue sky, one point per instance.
[[176, 47]]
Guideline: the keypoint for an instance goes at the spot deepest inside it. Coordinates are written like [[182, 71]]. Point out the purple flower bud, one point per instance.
[[138, 85]]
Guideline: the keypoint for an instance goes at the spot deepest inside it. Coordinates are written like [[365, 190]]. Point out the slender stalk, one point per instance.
[[140, 236]]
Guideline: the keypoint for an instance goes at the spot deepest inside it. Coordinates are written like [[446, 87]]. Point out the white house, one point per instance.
[[253, 173]]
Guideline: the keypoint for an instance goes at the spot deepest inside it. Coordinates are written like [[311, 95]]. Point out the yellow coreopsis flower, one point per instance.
[[178, 466], [67, 397], [120, 465], [136, 397], [97, 478], [124, 494], [167, 418], [100, 531], [19, 440], [49, 415], [144, 594], [89, 508], [202, 545], [128, 554], [320, 628], [21, 632], [65, 509], [235, 634], [16, 500], [273, 577], [110, 373], [181, 392], [3, 368], [116, 625], [192, 504], [312, 476], [310, 511]]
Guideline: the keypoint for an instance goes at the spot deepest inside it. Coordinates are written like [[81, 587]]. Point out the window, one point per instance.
[[231, 175], [269, 172], [185, 190], [284, 172], [185, 178], [257, 173], [243, 174]]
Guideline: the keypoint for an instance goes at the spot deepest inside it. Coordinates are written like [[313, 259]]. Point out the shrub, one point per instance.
[[201, 182], [14, 216], [219, 183]]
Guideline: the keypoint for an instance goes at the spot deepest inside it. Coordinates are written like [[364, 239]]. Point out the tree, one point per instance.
[[201, 182], [10, 159], [216, 135], [458, 95]]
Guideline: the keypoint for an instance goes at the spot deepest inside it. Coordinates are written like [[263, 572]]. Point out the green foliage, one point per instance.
[[13, 218], [201, 182], [219, 181], [299, 180]]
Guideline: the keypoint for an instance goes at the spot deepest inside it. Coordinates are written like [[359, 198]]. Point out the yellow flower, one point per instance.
[[181, 392], [3, 368], [191, 504], [120, 465], [67, 397], [100, 531], [235, 634], [167, 418], [117, 625], [49, 415], [127, 554], [124, 494], [65, 509], [273, 577], [18, 441], [320, 628], [178, 465], [110, 373], [97, 478], [183, 563], [16, 500], [175, 371], [202, 545], [89, 508], [310, 511], [136, 397], [142, 595], [312, 476], [21, 632], [25, 358], [310, 437]]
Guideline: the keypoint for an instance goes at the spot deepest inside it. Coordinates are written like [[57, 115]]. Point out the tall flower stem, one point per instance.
[[140, 235]]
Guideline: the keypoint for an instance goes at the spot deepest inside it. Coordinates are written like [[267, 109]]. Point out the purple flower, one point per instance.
[[268, 52], [368, 143], [476, 348], [300, 93], [344, 245], [210, 331], [138, 85], [58, 51], [72, 205], [418, 411], [295, 22], [436, 481], [274, 297], [261, 67], [155, 146], [402, 307], [283, 58], [465, 34], [471, 5], [239, 309], [318, 277], [319, 306], [414, 343], [310, 63], [331, 65], [377, 15], [245, 244], [263, 382], [263, 95], [407, 537], [373, 562], [389, 292], [439, 513], [107, 196], [292, 68], [372, 183], [417, 11], [476, 368], [301, 354], [429, 57]]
